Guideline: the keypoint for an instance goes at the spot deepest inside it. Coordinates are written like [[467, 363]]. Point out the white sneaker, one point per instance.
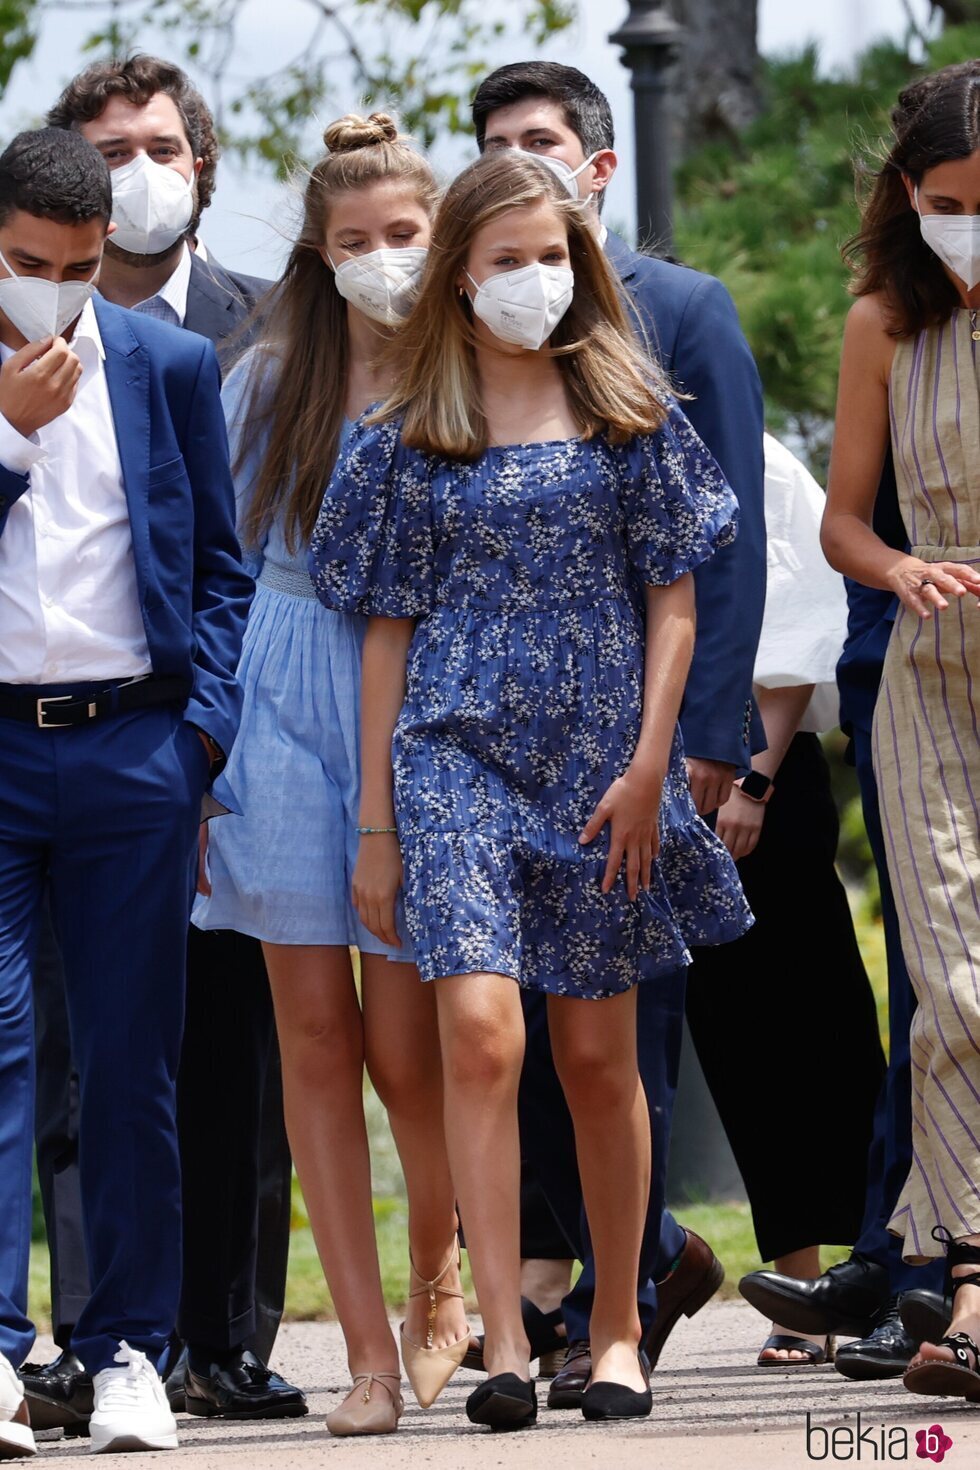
[[131, 1410], [16, 1435]]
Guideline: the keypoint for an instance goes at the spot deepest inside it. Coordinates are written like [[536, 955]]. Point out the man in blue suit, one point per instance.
[[122, 608], [688, 319]]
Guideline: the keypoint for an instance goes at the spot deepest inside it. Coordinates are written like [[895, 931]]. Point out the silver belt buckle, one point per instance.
[[42, 704]]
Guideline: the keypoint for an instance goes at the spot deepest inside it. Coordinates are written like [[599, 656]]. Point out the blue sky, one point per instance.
[[237, 225]]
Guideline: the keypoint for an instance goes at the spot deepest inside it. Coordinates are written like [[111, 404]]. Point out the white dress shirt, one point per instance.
[[69, 603], [170, 302], [805, 621]]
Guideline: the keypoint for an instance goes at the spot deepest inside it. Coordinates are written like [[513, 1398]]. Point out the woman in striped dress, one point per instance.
[[910, 374]]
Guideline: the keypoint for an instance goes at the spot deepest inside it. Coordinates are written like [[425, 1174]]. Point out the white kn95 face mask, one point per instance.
[[524, 306], [955, 238], [383, 283], [38, 308], [152, 205]]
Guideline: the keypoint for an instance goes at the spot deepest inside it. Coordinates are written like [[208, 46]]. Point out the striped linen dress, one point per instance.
[[927, 758]]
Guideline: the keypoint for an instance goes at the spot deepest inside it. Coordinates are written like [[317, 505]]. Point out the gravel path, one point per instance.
[[713, 1410]]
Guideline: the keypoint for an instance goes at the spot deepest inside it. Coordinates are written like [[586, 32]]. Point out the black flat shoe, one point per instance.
[[243, 1388], [615, 1401], [541, 1334], [503, 1402]]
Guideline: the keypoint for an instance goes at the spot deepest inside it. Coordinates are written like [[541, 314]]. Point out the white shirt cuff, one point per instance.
[[18, 454]]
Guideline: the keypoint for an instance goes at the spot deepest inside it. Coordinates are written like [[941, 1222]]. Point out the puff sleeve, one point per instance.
[[372, 550], [678, 507]]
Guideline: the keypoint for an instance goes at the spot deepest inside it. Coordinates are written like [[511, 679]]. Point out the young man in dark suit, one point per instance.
[[689, 321], [122, 607], [156, 135]]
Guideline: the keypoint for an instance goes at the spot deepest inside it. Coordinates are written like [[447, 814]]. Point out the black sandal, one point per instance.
[[958, 1379], [814, 1355], [540, 1328]]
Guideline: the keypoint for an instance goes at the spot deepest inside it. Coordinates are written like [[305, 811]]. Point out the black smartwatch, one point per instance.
[[755, 786]]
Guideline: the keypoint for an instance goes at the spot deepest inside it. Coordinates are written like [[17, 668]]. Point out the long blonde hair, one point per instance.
[[298, 381], [612, 386]]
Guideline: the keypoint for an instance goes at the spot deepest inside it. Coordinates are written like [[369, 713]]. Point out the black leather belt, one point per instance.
[[85, 702]]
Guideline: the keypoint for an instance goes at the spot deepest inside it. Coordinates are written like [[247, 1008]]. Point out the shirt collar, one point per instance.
[[175, 287], [88, 330]]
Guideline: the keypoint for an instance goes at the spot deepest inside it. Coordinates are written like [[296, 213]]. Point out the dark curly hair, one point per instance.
[[138, 78], [936, 121], [54, 176]]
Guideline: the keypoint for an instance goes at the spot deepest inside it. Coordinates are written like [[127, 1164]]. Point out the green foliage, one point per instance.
[[770, 218], [17, 35], [421, 57]]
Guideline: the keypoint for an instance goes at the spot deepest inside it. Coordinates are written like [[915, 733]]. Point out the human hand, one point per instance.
[[711, 783], [739, 824], [38, 384], [922, 586], [631, 806], [377, 879], [203, 881]]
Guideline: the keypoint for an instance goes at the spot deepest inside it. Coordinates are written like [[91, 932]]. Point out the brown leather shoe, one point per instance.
[[571, 1380], [691, 1284]]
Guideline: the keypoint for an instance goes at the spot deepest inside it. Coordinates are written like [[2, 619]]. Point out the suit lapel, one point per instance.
[[127, 372]]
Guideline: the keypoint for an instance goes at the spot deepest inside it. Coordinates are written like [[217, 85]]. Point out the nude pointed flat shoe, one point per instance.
[[429, 1368], [368, 1413]]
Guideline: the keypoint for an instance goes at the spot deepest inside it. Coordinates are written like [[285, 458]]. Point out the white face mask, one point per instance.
[[383, 284], [955, 238], [525, 306], [563, 171], [40, 309], [152, 205]]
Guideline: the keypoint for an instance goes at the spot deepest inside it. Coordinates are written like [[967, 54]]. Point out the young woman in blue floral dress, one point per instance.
[[519, 521]]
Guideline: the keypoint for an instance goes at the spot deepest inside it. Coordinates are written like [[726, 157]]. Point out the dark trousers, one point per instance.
[[233, 1150], [107, 816], [548, 1145], [235, 1163], [890, 1155], [785, 1027]]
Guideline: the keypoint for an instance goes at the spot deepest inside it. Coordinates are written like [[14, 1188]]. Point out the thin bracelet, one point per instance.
[[374, 831]]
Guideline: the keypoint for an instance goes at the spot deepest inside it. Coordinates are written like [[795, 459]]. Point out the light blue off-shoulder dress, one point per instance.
[[281, 871], [524, 692]]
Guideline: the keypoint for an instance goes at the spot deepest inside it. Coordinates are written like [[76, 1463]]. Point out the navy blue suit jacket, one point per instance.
[[691, 325], [164, 390], [219, 300], [870, 615]]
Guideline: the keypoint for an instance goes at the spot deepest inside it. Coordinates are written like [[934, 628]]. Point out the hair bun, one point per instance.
[[352, 132]]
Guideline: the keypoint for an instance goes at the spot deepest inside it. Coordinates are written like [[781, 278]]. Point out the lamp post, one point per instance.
[[651, 39]]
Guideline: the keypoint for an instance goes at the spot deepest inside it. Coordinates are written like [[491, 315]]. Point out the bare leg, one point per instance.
[[322, 1043], [966, 1315], [545, 1283], [804, 1265], [481, 1028], [401, 1039], [594, 1045]]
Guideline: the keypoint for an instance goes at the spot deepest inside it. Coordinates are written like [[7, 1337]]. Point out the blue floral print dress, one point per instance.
[[524, 692]]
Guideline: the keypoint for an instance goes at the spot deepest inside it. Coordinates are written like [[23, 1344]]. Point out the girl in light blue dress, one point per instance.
[[282, 871]]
